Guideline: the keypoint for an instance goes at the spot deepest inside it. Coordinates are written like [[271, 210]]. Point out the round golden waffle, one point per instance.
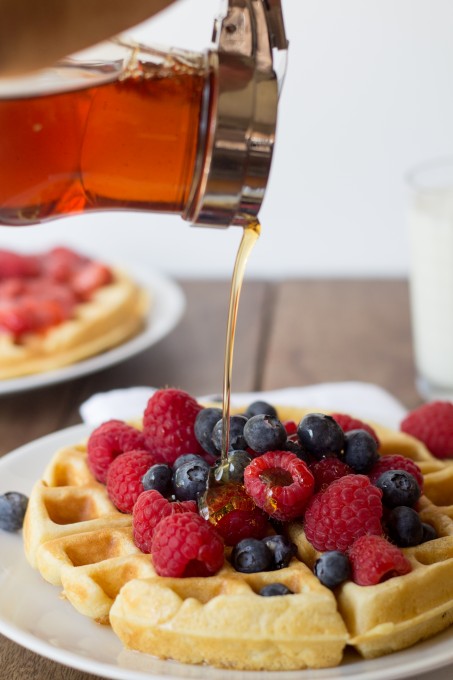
[[114, 313], [81, 543]]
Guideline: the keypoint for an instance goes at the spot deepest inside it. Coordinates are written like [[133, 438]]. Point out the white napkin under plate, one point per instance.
[[363, 400]]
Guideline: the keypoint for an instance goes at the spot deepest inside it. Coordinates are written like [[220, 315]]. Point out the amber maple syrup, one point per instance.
[[128, 143], [222, 496]]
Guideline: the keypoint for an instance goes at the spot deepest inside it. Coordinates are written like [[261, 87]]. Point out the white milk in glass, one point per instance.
[[431, 286]]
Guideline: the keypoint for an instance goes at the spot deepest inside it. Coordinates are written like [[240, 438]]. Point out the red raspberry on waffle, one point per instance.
[[327, 470], [396, 462], [186, 545], [124, 478], [168, 424], [349, 508], [280, 484], [108, 441], [150, 507], [373, 560], [348, 423], [432, 424]]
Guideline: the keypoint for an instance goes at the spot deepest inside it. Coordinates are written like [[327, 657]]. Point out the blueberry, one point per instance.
[[236, 438], [159, 478], [332, 568], [190, 480], [404, 526], [298, 450], [273, 589], [264, 433], [260, 408], [12, 510], [250, 556], [429, 532], [187, 458], [320, 435], [360, 451], [237, 462], [282, 550], [203, 426], [398, 488]]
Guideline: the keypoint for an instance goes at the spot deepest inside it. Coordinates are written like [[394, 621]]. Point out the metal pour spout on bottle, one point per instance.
[[128, 127]]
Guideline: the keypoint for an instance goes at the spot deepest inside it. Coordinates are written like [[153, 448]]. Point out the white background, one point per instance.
[[368, 94]]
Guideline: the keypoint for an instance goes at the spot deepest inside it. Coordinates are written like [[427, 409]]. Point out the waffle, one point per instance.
[[114, 313], [79, 542]]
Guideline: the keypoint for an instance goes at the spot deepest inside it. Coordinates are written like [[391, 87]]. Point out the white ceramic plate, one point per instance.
[[32, 614], [168, 303]]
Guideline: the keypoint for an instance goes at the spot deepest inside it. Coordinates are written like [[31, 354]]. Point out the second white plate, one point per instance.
[[168, 304]]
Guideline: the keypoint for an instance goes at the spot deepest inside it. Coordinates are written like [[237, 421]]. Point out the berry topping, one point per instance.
[[398, 488], [280, 484], [251, 555], [159, 478], [360, 451], [190, 480], [186, 458], [433, 425], [290, 427], [274, 589], [108, 441], [404, 526], [239, 524], [332, 568], [13, 506], [204, 424], [373, 560], [186, 545], [260, 408], [429, 532], [168, 424], [327, 470], [150, 507], [236, 434], [348, 423], [320, 435], [264, 433], [396, 462], [124, 478], [282, 550], [237, 462], [350, 507]]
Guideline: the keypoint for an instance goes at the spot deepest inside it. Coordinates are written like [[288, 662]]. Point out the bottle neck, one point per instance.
[[237, 128]]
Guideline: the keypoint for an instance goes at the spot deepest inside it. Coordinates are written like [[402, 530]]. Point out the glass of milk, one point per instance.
[[431, 276]]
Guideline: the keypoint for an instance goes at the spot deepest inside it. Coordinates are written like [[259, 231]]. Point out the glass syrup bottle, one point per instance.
[[130, 127]]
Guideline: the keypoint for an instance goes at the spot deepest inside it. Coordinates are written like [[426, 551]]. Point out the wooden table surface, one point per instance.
[[289, 333]]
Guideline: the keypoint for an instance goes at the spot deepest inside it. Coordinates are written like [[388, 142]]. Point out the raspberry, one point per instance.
[[186, 545], [233, 513], [239, 524], [15, 265], [350, 507], [124, 478], [348, 423], [396, 462], [432, 424], [373, 560], [280, 484], [290, 427], [168, 424], [107, 442], [327, 470], [150, 507]]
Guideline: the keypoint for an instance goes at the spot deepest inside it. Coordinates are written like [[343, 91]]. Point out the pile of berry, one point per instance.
[[358, 509]]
